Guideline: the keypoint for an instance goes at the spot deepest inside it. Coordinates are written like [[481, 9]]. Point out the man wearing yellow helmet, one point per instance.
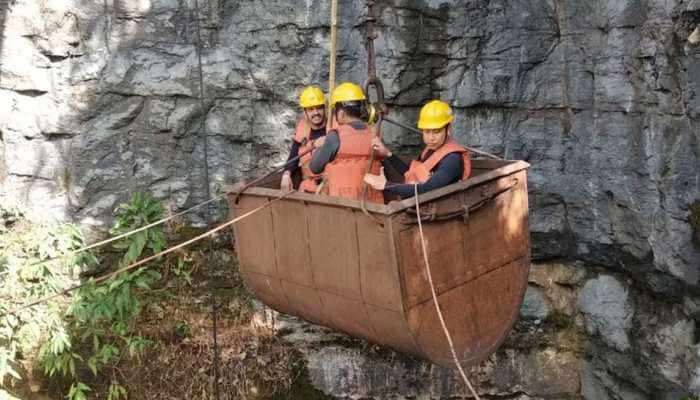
[[347, 149], [311, 126], [442, 161]]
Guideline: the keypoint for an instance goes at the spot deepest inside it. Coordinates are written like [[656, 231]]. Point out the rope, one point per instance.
[[435, 300], [334, 49], [262, 178], [164, 220], [126, 234], [145, 260]]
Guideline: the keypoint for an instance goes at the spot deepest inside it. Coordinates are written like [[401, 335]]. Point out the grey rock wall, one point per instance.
[[101, 98], [593, 336]]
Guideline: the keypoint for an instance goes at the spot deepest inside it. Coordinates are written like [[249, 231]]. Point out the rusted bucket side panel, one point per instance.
[[379, 275], [481, 291], [392, 330], [256, 252], [335, 261], [334, 254], [445, 245], [464, 250], [290, 230], [349, 315], [291, 244], [478, 314], [305, 302], [326, 264], [254, 237], [269, 290], [381, 285], [355, 273], [501, 228]]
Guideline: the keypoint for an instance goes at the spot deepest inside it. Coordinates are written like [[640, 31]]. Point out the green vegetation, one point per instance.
[[93, 342], [99, 314], [22, 247], [142, 210]]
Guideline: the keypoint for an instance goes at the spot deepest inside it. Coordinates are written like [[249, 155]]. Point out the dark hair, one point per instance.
[[356, 109]]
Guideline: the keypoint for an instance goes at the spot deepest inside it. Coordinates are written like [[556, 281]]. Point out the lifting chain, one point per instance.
[[377, 109], [373, 82]]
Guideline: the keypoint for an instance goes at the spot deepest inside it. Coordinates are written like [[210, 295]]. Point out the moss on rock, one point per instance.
[[695, 221], [301, 387]]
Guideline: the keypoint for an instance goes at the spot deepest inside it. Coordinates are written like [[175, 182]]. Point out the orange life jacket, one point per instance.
[[302, 135], [344, 175], [420, 171]]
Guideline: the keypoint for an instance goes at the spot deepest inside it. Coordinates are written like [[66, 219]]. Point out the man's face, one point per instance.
[[434, 138], [316, 115]]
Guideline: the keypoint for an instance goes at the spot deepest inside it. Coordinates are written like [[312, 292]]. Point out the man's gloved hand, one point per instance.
[[377, 182], [319, 142], [379, 147]]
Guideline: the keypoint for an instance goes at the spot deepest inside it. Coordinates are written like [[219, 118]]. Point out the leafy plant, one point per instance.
[[78, 391], [116, 392], [101, 313], [182, 271], [26, 274], [140, 211]]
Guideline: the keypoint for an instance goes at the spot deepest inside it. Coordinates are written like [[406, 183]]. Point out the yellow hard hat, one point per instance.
[[312, 96], [435, 115], [347, 91]]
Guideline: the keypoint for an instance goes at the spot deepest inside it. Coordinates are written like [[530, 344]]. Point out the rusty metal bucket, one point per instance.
[[322, 259]]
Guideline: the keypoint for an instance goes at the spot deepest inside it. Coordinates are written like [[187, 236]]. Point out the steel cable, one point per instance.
[[169, 218]]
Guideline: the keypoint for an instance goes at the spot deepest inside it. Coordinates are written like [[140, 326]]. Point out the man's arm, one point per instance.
[[325, 153], [449, 170], [292, 166], [395, 164]]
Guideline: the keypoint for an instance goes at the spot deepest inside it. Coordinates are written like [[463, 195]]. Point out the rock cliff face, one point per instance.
[[602, 97], [583, 333]]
